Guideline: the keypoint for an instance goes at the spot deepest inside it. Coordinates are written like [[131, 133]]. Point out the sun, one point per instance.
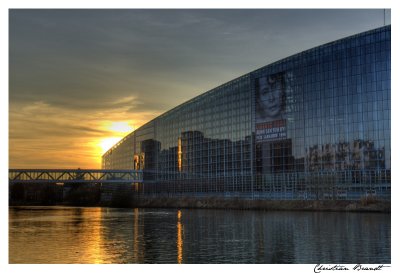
[[107, 143], [116, 130]]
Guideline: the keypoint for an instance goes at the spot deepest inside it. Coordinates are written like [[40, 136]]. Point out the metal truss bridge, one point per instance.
[[73, 176]]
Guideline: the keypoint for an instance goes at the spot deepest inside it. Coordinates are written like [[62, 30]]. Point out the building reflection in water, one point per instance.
[[179, 239], [136, 235], [103, 235]]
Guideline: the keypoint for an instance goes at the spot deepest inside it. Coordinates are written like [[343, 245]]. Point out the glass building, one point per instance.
[[315, 125]]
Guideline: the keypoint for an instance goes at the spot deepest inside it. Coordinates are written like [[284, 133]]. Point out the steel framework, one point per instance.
[[73, 176]]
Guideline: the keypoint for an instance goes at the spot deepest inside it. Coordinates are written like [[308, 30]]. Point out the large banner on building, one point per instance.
[[270, 107], [271, 130]]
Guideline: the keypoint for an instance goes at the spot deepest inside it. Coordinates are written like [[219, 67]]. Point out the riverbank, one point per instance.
[[89, 195], [236, 203], [223, 203]]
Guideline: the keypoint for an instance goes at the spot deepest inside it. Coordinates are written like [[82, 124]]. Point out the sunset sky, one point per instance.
[[80, 80]]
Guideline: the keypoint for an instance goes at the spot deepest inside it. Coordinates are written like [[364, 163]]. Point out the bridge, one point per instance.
[[73, 176]]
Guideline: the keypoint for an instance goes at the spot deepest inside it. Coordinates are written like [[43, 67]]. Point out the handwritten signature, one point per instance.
[[358, 267]]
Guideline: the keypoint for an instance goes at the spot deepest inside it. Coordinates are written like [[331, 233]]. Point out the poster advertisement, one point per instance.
[[270, 107], [272, 130]]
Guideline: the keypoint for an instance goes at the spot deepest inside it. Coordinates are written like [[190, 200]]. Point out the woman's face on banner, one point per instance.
[[271, 96]]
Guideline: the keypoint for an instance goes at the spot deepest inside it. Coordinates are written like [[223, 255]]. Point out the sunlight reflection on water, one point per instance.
[[110, 235]]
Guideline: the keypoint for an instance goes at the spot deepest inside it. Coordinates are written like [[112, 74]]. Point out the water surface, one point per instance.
[[110, 235]]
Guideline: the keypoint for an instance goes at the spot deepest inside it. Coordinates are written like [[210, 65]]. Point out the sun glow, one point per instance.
[[120, 127], [117, 130], [107, 143]]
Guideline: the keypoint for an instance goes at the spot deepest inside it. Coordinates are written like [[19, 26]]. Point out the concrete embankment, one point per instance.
[[122, 195]]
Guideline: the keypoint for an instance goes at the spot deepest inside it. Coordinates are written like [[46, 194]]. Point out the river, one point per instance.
[[58, 234]]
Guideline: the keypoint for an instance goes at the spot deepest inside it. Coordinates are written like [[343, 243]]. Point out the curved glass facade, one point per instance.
[[315, 125]]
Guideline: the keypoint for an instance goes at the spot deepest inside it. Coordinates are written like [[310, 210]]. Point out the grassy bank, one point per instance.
[[236, 203], [121, 195]]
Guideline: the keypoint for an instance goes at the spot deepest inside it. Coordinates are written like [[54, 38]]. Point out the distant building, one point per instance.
[[313, 125]]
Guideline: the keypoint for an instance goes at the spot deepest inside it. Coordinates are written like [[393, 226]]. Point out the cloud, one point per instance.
[[46, 136], [124, 100]]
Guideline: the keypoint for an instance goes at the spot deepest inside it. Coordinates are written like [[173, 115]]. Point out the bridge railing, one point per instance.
[[73, 175]]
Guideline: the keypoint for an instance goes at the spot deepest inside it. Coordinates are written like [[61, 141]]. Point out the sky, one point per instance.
[[80, 80]]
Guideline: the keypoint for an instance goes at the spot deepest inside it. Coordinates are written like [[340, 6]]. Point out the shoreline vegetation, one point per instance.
[[90, 195], [289, 205]]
